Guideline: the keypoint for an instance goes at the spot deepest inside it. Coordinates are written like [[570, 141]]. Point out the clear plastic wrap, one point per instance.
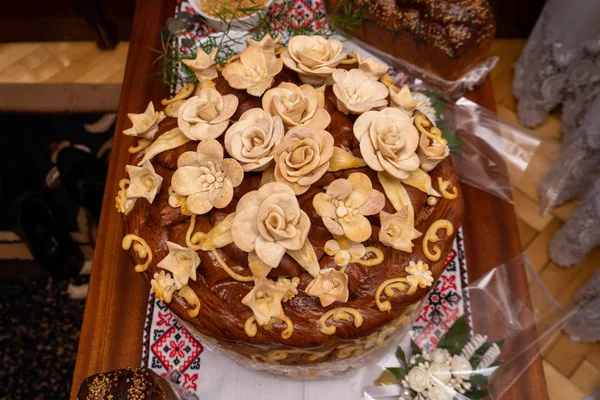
[[491, 154], [498, 313], [426, 80]]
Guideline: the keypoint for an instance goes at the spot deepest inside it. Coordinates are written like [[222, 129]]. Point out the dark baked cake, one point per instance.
[[445, 38], [334, 297], [126, 384]]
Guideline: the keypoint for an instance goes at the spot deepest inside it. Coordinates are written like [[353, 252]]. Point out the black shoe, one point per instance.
[[84, 177], [47, 239]]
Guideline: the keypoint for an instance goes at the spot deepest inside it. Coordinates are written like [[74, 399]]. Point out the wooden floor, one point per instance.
[[572, 370]]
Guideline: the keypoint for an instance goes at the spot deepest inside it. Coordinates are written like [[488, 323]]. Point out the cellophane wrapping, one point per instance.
[[499, 313]]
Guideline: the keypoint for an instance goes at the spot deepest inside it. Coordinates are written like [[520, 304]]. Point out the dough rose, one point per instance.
[[303, 157], [297, 105], [314, 58], [431, 152], [206, 116], [269, 221], [253, 138], [388, 141]]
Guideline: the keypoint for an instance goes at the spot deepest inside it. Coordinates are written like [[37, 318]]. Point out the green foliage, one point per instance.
[[439, 105], [478, 380], [475, 394], [455, 339], [414, 349], [399, 373], [347, 16], [401, 357], [454, 141]]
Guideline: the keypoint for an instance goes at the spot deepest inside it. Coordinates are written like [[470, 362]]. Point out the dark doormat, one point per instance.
[[40, 333], [39, 321]]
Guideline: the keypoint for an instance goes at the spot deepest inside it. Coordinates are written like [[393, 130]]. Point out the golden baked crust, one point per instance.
[[222, 315]]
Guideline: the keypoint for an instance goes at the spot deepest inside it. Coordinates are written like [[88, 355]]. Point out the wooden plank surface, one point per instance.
[[111, 335]]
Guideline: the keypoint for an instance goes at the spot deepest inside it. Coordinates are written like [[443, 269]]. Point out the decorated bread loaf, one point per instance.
[[294, 206], [446, 38]]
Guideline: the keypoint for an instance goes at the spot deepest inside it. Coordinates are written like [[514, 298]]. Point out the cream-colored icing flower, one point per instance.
[[346, 204], [356, 93], [297, 105], [181, 262], [204, 65], [330, 286], [145, 182], [303, 157], [163, 286], [388, 141], [254, 71], [372, 68], [344, 252], [205, 178], [145, 125], [461, 366], [440, 373], [431, 152], [267, 43], [403, 100], [419, 274], [440, 392], [314, 58], [252, 140], [441, 356], [269, 221], [206, 116], [396, 230], [418, 379], [265, 300]]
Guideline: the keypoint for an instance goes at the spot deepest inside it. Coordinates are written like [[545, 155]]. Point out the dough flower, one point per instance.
[[204, 65], [330, 286], [303, 157], [181, 262], [297, 105], [356, 93], [388, 141], [314, 58], [206, 116], [144, 182], [254, 72], [205, 179], [346, 204], [269, 221], [252, 140]]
